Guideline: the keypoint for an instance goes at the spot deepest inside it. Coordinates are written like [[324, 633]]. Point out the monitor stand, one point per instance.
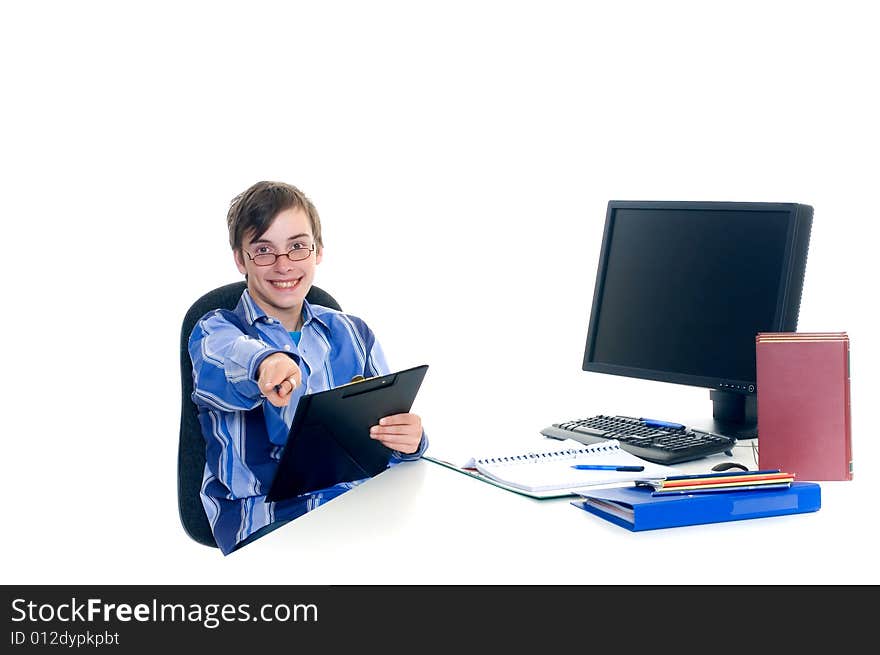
[[733, 415]]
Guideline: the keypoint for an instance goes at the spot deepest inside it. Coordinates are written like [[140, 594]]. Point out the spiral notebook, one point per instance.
[[553, 470]]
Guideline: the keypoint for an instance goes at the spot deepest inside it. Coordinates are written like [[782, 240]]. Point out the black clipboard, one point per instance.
[[329, 440]]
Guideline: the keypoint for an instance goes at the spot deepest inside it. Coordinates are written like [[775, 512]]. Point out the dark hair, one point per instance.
[[251, 212]]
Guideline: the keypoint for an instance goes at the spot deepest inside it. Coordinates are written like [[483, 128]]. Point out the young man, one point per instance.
[[251, 365]]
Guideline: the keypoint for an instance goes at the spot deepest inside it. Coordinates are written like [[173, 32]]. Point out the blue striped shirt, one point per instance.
[[244, 432]]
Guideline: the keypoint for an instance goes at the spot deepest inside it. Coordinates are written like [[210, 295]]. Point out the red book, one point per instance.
[[804, 404]]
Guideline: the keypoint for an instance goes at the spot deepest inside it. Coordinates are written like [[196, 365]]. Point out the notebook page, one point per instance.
[[463, 455], [536, 471]]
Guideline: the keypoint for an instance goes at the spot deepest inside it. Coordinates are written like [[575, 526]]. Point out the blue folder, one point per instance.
[[636, 509]]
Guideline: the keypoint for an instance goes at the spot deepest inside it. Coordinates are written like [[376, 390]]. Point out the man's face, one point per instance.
[[281, 287]]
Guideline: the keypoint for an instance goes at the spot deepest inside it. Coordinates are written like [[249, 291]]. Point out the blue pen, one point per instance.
[[653, 423], [606, 467]]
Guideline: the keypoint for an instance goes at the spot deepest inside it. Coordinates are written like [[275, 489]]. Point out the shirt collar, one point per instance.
[[248, 309], [251, 311], [309, 315]]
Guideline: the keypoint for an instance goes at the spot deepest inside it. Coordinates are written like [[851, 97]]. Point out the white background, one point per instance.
[[461, 155]]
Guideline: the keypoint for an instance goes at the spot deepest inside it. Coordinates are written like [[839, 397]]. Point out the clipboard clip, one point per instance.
[[359, 381], [354, 380]]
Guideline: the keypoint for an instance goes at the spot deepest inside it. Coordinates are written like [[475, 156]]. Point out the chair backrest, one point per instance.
[[191, 447]]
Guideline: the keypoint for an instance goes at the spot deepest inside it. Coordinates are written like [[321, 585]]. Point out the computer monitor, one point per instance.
[[683, 288]]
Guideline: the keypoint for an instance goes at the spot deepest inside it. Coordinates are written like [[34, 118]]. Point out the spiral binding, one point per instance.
[[526, 458]]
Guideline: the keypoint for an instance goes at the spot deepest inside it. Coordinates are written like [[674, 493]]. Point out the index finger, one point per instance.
[[400, 419], [286, 389]]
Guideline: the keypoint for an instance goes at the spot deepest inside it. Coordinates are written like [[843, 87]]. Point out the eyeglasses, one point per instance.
[[295, 254]]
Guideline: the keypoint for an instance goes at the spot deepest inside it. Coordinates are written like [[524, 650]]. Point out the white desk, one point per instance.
[[422, 523]]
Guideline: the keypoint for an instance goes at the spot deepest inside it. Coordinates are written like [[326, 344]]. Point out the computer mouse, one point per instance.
[[726, 466]]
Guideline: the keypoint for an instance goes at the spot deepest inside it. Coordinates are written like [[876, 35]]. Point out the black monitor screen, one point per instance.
[[685, 291]]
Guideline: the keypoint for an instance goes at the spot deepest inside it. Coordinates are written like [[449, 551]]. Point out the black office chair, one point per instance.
[[191, 448]]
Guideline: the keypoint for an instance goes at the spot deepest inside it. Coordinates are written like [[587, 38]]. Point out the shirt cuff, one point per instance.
[[423, 446]]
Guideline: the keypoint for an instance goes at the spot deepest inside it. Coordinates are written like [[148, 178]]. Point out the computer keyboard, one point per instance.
[[656, 441]]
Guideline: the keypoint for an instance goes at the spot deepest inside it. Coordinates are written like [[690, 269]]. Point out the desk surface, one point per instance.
[[422, 523]]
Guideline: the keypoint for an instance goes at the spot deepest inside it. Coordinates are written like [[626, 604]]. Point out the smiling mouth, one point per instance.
[[284, 284]]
